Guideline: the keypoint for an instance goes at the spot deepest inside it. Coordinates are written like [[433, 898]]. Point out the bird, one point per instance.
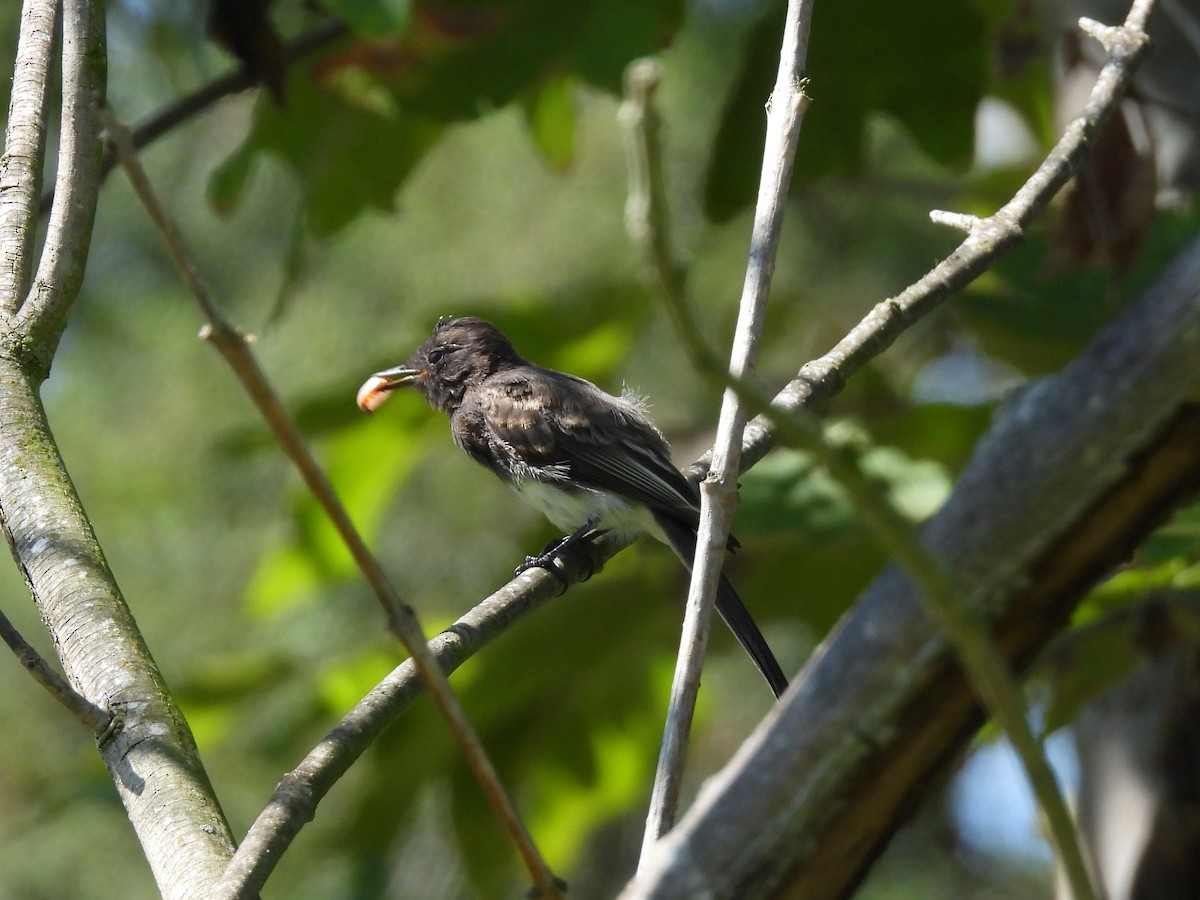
[[591, 462]]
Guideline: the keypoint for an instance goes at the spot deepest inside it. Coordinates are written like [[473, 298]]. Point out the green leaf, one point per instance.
[[616, 32], [375, 18], [365, 464], [358, 121], [569, 808], [1099, 657], [550, 114], [350, 149], [786, 491], [228, 182]]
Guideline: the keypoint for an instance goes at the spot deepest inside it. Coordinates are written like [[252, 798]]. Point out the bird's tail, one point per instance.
[[734, 613]]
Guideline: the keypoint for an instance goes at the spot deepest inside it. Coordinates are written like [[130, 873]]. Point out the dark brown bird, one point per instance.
[[586, 459]]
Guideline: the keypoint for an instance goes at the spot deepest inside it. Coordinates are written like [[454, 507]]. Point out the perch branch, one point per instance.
[[295, 799]]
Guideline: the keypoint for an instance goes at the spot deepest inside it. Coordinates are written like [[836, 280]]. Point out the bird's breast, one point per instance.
[[568, 507]]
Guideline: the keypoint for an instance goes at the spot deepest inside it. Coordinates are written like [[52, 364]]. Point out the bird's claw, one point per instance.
[[550, 558]]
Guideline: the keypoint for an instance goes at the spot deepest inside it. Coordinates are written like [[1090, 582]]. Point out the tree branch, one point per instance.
[[718, 491], [988, 240], [151, 757], [25, 149], [43, 315], [91, 715], [300, 791]]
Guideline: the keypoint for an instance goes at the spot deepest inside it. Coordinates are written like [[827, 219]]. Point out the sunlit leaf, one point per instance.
[[365, 464]]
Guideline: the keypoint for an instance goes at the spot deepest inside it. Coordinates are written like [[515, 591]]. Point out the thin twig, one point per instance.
[[235, 347], [295, 799], [719, 489], [83, 709], [648, 223], [647, 216], [988, 241], [24, 149]]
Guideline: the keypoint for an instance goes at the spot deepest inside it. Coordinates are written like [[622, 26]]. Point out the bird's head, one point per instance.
[[459, 353]]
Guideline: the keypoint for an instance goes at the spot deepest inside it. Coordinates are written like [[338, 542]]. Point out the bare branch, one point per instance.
[[296, 798], [647, 217], [24, 149], [235, 347], [43, 315], [647, 220], [718, 491], [79, 706], [987, 241], [961, 221]]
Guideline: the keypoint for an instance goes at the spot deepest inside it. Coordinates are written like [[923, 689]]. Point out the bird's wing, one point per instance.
[[597, 441]]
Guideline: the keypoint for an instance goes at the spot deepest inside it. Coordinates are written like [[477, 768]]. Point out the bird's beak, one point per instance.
[[375, 389]]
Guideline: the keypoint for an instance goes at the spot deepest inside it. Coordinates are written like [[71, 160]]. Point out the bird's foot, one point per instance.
[[551, 560]]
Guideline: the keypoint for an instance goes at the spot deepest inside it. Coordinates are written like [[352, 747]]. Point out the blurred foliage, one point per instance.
[[465, 158], [861, 60]]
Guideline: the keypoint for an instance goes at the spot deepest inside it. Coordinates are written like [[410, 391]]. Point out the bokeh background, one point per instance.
[[468, 159]]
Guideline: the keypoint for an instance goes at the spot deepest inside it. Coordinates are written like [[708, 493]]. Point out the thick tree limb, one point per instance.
[[150, 753], [151, 757]]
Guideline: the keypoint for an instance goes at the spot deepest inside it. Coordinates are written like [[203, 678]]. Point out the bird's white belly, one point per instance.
[[570, 508]]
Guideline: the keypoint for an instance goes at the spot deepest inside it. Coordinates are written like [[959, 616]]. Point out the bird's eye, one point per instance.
[[436, 354]]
